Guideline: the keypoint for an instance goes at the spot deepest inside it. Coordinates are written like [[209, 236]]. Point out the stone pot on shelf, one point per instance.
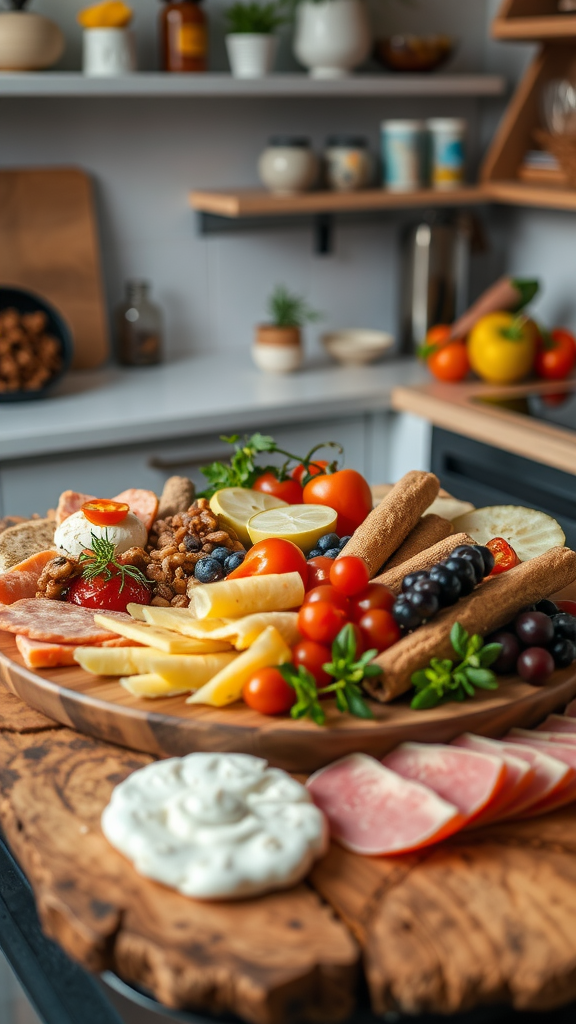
[[28, 41], [251, 54], [332, 36]]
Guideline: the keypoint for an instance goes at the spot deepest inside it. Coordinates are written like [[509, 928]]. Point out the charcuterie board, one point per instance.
[[100, 707]]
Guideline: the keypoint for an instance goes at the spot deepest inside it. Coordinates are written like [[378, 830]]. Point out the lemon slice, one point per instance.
[[527, 530], [236, 505], [302, 524]]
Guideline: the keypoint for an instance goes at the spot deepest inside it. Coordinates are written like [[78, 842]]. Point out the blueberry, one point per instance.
[[192, 542], [563, 651], [450, 586], [412, 578], [564, 626], [487, 557], [234, 560], [329, 540], [472, 555], [331, 553], [344, 540], [548, 607], [425, 605], [465, 572], [220, 554], [314, 553], [405, 615], [208, 570]]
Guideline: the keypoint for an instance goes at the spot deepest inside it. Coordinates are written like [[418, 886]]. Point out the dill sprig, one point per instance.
[[98, 562]]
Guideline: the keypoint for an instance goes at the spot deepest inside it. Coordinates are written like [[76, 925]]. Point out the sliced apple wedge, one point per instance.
[[527, 530]]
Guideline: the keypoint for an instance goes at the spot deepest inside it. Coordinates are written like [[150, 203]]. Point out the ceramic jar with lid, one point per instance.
[[348, 164], [288, 165]]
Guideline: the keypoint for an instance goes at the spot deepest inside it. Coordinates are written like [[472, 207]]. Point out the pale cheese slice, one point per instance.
[[241, 633], [226, 687], [136, 611], [233, 599], [161, 639], [186, 671], [181, 621], [150, 685]]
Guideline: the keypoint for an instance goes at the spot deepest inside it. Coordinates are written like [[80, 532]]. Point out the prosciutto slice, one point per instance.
[[558, 723], [519, 776], [374, 811]]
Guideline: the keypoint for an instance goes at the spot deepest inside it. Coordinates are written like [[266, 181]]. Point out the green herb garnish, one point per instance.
[[347, 672], [443, 680], [100, 559], [242, 471]]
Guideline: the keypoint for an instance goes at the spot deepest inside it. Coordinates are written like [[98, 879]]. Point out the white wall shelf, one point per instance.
[[71, 84]]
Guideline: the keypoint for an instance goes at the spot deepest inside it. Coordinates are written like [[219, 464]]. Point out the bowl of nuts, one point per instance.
[[35, 345]]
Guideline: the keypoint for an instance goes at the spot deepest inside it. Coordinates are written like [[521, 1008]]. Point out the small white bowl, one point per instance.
[[356, 347]]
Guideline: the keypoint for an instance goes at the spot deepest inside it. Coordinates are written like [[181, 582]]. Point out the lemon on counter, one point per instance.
[[302, 524], [235, 506], [502, 347]]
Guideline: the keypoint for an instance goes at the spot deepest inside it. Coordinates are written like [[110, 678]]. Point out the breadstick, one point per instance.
[[428, 530], [384, 529], [423, 560], [177, 496], [488, 607]]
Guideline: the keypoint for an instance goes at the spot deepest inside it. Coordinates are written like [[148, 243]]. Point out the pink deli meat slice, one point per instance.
[[558, 723], [465, 778], [519, 776], [570, 710], [70, 502], [563, 768], [41, 654], [374, 811], [54, 621]]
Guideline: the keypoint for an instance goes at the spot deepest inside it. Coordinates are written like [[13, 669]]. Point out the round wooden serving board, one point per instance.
[[166, 727]]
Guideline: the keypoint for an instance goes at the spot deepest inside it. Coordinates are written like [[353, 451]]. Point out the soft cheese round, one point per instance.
[[74, 535], [216, 826]]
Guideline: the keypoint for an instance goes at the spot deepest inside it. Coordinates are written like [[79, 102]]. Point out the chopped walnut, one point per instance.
[[56, 577]]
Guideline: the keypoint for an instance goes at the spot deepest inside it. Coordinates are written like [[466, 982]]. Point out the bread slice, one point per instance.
[[19, 542]]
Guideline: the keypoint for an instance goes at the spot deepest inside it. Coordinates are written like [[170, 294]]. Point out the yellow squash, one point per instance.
[[502, 346]]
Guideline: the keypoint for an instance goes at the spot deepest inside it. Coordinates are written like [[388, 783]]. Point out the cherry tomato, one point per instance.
[[450, 362], [439, 334], [108, 594], [325, 592], [347, 492], [567, 606], [316, 467], [289, 491], [105, 512], [313, 656], [267, 692], [375, 595], [320, 621], [556, 355], [318, 571], [349, 575], [379, 629], [504, 556], [269, 556]]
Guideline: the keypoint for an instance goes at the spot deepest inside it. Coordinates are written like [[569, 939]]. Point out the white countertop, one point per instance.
[[191, 396]]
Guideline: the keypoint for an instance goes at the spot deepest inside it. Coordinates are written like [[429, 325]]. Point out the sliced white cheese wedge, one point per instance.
[[226, 687]]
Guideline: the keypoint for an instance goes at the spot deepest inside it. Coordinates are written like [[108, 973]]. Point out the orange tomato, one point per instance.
[[289, 491], [347, 492], [105, 512], [450, 362], [299, 472], [273, 555], [439, 334]]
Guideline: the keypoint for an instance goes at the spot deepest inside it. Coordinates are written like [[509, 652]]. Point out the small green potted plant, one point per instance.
[[278, 344], [250, 40]]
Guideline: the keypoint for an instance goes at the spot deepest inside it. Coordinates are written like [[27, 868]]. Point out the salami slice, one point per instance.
[[70, 502], [143, 504], [54, 621]]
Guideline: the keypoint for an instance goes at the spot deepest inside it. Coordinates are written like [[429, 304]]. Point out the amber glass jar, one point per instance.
[[183, 36]]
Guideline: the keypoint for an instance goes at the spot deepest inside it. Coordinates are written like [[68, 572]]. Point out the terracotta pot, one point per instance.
[[28, 41], [269, 334], [277, 349]]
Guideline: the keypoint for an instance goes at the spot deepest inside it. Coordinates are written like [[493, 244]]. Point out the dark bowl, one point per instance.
[[28, 302], [413, 53]]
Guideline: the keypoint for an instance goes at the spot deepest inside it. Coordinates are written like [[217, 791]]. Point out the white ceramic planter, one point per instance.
[[251, 54], [287, 170], [332, 36], [28, 41], [108, 51]]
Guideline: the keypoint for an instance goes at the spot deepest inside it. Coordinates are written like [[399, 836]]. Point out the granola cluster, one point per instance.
[[29, 357]]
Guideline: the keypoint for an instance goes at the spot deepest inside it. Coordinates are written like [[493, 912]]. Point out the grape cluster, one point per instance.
[[425, 592], [330, 545], [539, 640]]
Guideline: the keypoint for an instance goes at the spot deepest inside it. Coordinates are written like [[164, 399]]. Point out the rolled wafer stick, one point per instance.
[[488, 607], [423, 560], [384, 529], [428, 531]]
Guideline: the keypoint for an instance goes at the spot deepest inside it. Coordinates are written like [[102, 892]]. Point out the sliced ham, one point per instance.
[[40, 654], [22, 580], [374, 811], [70, 502], [567, 738], [519, 776], [553, 768], [570, 710], [466, 778], [54, 621], [143, 504], [558, 723]]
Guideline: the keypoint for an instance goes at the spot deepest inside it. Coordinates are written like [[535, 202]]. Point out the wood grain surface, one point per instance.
[[100, 707]]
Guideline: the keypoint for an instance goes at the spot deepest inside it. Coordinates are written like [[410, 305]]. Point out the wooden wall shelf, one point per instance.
[[532, 20], [517, 193]]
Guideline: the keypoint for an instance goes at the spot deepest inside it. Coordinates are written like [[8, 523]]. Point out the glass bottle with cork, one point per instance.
[[139, 326], [183, 36]]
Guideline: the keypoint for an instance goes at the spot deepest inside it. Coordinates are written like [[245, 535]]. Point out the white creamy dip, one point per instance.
[[216, 826], [74, 535]]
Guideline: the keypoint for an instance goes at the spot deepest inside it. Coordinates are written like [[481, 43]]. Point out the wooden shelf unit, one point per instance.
[[532, 20]]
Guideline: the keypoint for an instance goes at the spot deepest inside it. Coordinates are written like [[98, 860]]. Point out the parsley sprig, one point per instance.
[[100, 561], [242, 471], [443, 680], [347, 672]]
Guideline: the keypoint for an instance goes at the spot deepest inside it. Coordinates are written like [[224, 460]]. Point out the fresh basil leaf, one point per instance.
[[318, 715], [341, 702], [480, 676], [427, 698], [372, 670], [357, 705], [489, 654], [459, 639], [419, 679]]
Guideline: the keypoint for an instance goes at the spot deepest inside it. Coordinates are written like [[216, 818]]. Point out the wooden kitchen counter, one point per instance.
[[454, 407]]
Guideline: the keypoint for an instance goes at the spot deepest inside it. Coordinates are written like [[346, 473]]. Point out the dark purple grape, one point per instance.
[[506, 660], [564, 625], [412, 578], [563, 651], [548, 607], [534, 629], [487, 556], [465, 572], [450, 586], [405, 615], [474, 556], [425, 605], [427, 586], [535, 665]]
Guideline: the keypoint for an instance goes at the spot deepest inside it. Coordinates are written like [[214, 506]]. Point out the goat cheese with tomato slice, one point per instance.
[[76, 534]]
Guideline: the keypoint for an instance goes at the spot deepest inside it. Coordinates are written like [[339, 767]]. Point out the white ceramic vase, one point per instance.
[[251, 54], [332, 36], [28, 41], [108, 52]]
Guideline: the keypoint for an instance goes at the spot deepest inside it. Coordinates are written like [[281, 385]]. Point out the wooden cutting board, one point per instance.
[[50, 246]]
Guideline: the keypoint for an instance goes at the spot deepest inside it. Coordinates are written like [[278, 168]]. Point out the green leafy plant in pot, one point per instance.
[[28, 41], [250, 40], [278, 344]]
